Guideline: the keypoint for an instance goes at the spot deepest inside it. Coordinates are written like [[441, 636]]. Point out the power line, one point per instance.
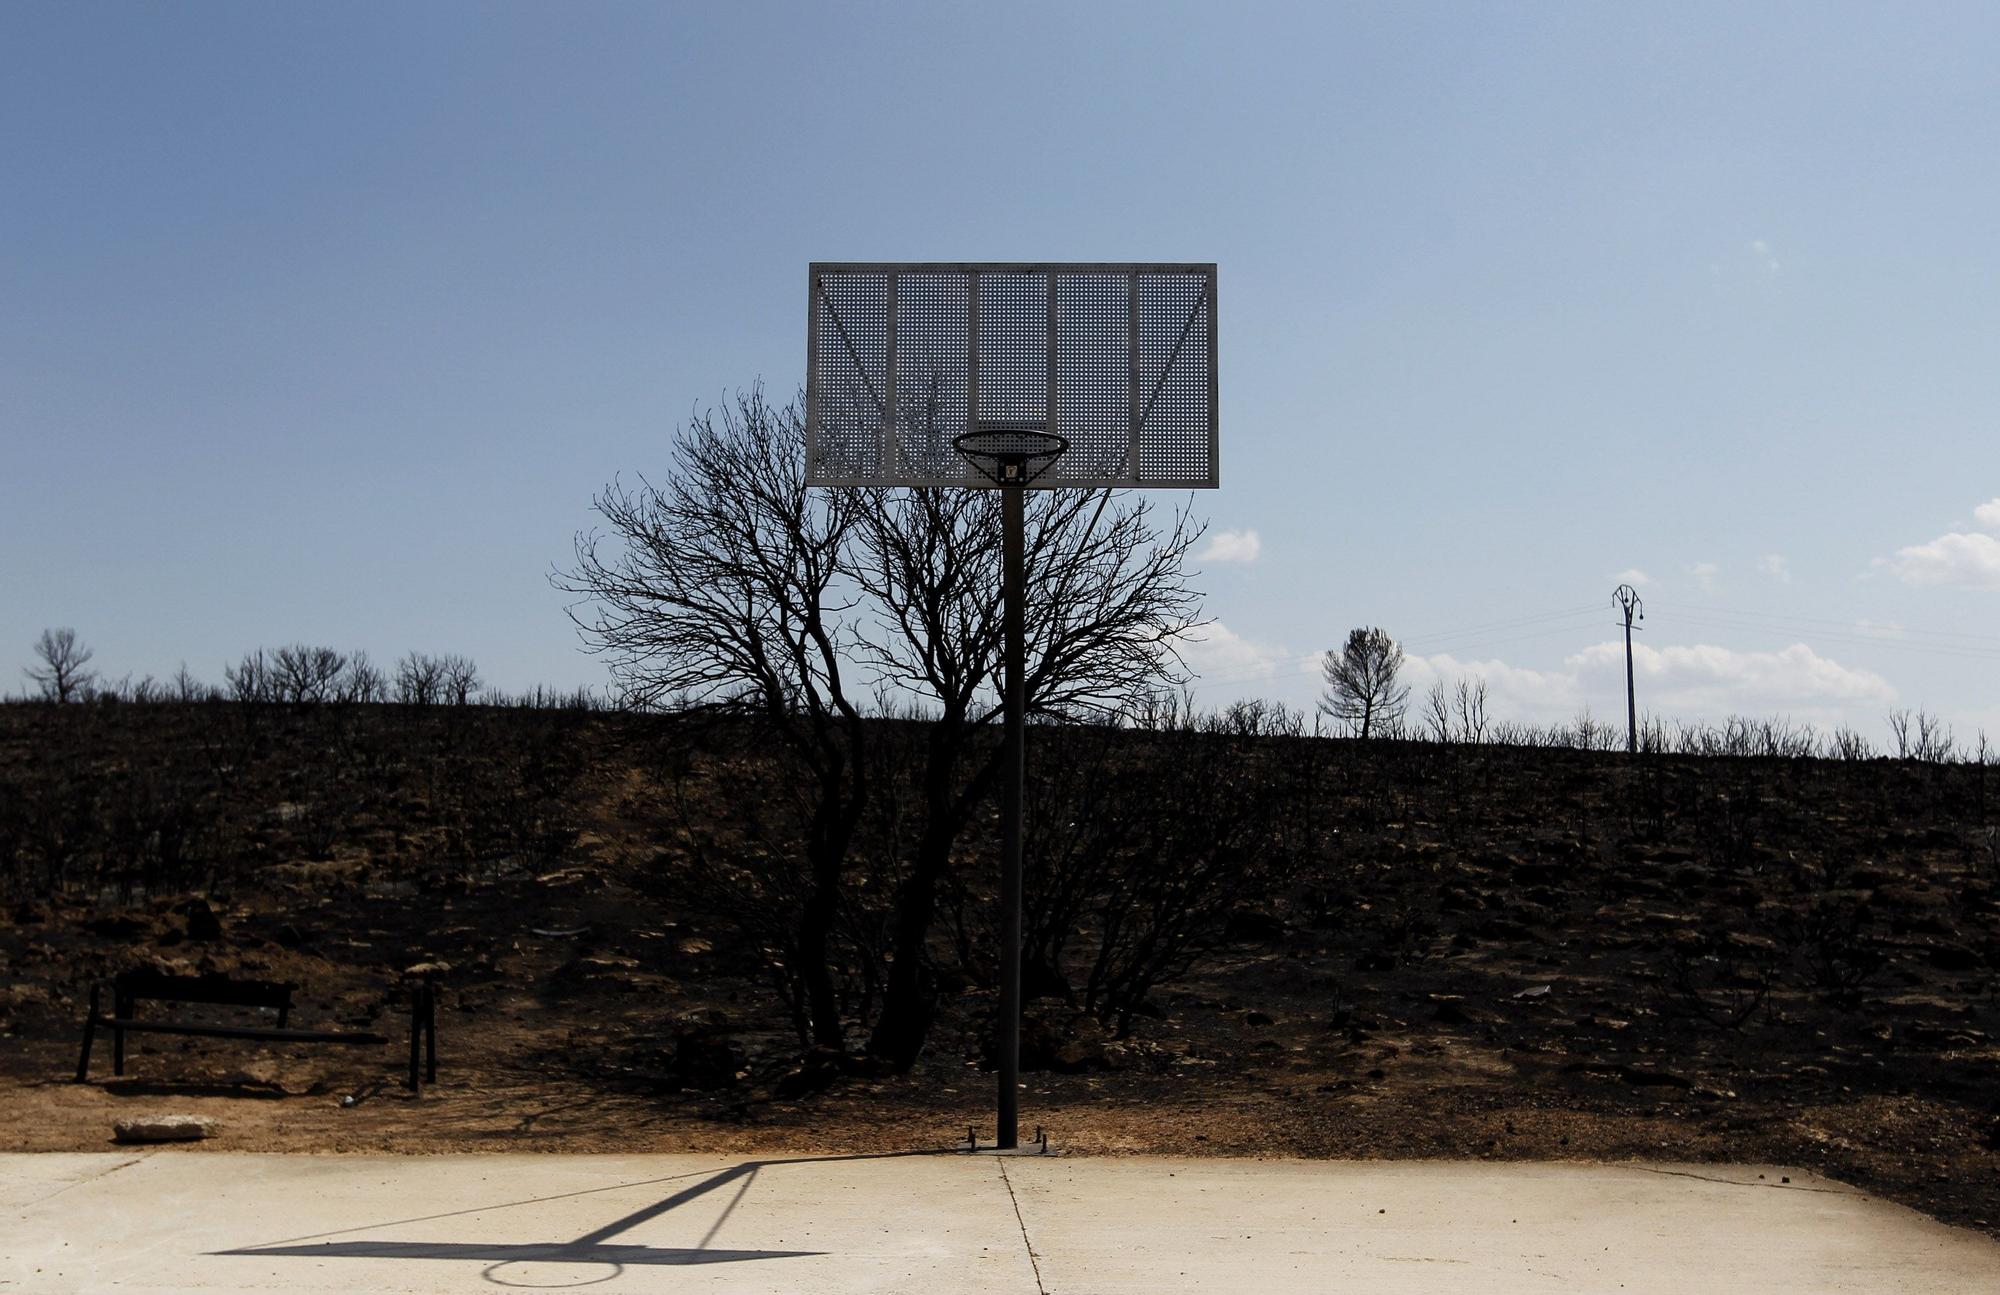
[[1468, 638], [1529, 619], [1847, 626], [1480, 642], [1479, 637], [1431, 645], [1847, 639]]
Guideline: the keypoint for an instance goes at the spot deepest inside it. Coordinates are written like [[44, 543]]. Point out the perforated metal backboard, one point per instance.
[[1118, 359]]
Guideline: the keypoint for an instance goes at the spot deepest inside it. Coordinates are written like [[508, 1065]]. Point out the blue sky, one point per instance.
[[324, 324]]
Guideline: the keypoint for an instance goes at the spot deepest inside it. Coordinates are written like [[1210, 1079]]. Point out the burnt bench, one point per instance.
[[130, 988]]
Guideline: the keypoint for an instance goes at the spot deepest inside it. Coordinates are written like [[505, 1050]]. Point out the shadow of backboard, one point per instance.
[[593, 1250]]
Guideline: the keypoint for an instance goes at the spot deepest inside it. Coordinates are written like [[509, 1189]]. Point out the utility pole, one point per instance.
[[1627, 599]]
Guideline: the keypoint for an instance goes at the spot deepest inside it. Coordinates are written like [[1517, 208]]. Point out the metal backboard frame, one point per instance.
[[1118, 358]]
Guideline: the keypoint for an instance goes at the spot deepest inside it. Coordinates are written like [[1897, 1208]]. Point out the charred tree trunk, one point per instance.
[[815, 932], [909, 999], [843, 793]]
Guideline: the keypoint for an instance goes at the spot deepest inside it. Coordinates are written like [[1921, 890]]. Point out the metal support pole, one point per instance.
[[1628, 601], [1631, 705], [1013, 773]]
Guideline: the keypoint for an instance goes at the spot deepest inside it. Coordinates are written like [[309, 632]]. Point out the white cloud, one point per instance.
[[1965, 558], [1218, 654], [1512, 692], [1702, 681], [1704, 574], [1879, 629], [1633, 576], [1765, 258], [1959, 558], [1777, 566], [1709, 681], [1231, 546]]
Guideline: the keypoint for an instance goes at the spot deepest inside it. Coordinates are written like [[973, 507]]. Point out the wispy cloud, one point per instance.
[[1231, 546], [1633, 576], [1988, 515], [1704, 574], [1766, 258], [1777, 566], [1218, 653], [1701, 681]]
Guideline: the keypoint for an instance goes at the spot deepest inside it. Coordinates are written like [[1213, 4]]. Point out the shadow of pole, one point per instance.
[[593, 1248]]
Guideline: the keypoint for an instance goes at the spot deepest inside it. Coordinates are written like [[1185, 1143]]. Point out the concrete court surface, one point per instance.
[[169, 1220]]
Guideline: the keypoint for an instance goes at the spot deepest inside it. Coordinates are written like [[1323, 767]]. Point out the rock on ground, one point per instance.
[[165, 1128]]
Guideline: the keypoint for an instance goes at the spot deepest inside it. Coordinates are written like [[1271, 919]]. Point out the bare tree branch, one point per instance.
[[62, 676]]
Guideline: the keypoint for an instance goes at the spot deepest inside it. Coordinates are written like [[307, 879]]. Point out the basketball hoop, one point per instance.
[[1057, 375], [1010, 451]]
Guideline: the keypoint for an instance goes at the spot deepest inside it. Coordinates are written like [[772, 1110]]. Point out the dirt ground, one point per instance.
[[1467, 1057], [1511, 985]]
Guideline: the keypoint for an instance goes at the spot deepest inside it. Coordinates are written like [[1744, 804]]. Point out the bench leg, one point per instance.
[[416, 1080], [89, 1034], [430, 1033]]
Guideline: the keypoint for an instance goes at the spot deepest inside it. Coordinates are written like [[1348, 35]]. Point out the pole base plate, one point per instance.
[[974, 1145]]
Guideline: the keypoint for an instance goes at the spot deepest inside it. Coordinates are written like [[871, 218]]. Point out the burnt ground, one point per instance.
[[1505, 954]]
